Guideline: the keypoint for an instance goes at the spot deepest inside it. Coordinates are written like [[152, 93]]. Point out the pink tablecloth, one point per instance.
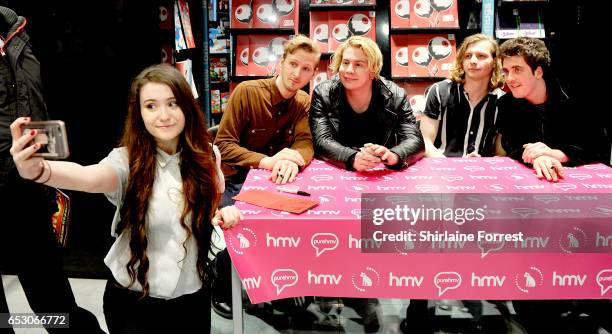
[[321, 253]]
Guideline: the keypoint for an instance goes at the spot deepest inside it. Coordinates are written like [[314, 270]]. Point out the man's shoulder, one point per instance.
[[253, 85], [327, 85], [506, 100], [301, 97]]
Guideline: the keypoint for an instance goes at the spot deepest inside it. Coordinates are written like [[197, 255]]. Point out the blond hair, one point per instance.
[[301, 42], [370, 50], [457, 73]]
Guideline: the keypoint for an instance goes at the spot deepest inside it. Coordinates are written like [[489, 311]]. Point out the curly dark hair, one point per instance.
[[533, 51]]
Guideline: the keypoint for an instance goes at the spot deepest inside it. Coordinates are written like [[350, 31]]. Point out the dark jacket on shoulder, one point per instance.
[[400, 132], [560, 123]]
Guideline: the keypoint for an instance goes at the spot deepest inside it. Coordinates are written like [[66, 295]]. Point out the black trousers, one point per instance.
[[127, 313], [28, 248]]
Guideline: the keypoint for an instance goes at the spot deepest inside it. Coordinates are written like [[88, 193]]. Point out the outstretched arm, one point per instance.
[[61, 174]]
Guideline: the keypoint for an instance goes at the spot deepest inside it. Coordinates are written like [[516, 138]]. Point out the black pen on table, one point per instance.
[[293, 191]]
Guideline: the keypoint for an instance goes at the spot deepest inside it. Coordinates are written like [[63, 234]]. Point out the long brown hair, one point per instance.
[[200, 192]]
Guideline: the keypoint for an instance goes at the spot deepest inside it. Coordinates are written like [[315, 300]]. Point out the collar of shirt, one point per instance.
[[163, 158], [276, 98]]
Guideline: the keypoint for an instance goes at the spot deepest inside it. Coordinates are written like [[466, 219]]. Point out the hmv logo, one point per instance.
[[323, 212], [532, 242], [508, 198], [602, 240], [460, 187], [323, 279], [353, 178], [504, 168], [568, 280], [358, 199], [581, 197], [250, 283], [562, 211], [405, 281], [254, 188], [488, 281], [363, 243], [532, 187], [483, 177], [444, 169], [391, 188], [321, 187], [282, 242], [597, 185], [418, 177]]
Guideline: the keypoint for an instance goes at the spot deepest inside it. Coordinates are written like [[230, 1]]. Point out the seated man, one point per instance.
[[540, 125], [358, 119], [459, 120], [539, 122], [265, 124], [461, 112]]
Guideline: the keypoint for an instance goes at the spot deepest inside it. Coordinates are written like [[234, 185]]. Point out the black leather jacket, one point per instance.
[[401, 134], [20, 84]]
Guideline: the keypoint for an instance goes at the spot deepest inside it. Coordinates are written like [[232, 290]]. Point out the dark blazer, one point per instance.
[[401, 134]]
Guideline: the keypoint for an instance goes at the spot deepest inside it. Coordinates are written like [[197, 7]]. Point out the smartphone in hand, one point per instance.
[[51, 135]]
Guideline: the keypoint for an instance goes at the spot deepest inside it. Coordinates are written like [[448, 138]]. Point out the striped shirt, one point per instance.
[[461, 128]]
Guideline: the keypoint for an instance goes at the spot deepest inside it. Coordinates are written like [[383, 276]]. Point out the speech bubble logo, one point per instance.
[[452, 178], [426, 187], [579, 176], [564, 186], [474, 168], [323, 242], [447, 280], [283, 278], [319, 178], [397, 199], [604, 280], [525, 212], [546, 199], [487, 247], [365, 213]]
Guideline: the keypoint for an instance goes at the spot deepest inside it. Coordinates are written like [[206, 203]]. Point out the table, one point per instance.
[[321, 253]]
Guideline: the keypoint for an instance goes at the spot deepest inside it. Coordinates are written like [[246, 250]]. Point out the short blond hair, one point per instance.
[[370, 50], [457, 73], [301, 42]]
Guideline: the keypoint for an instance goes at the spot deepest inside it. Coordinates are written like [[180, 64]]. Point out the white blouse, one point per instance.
[[172, 271]]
